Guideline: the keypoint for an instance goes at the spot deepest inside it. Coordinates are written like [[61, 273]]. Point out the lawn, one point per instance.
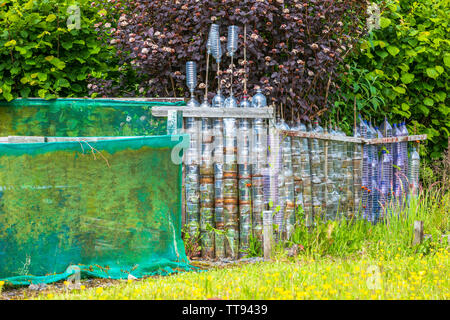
[[402, 277], [335, 260]]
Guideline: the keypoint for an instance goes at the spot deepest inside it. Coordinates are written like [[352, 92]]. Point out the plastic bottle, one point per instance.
[[357, 172], [386, 130], [404, 152], [413, 172], [318, 174], [365, 173], [385, 186]]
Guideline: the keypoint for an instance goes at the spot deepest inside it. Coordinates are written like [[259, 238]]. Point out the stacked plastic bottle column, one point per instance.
[[192, 179], [318, 172], [245, 181], [385, 185], [288, 179], [333, 167], [349, 182], [373, 168], [307, 178], [218, 188], [365, 172], [413, 172], [357, 172], [386, 130], [276, 182], [376, 177], [404, 151], [207, 190], [259, 166], [230, 187], [398, 166], [342, 174], [296, 149], [368, 178]]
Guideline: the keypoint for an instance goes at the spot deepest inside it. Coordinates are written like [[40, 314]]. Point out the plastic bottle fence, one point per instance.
[[237, 168]]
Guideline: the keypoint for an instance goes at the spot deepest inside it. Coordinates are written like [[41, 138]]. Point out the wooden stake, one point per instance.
[[418, 232], [267, 234]]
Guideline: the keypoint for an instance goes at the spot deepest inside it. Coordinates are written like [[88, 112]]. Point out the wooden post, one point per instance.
[[418, 232], [267, 234]]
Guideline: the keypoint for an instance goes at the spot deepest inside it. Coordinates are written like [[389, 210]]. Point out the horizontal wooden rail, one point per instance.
[[193, 112], [324, 136], [37, 139]]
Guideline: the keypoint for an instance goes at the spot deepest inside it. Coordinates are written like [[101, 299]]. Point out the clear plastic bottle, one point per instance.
[[385, 186], [332, 194], [413, 172], [404, 151], [296, 149], [377, 178], [357, 173], [318, 172], [387, 131], [398, 164], [307, 176], [259, 166], [343, 175], [373, 167], [288, 177], [366, 173]]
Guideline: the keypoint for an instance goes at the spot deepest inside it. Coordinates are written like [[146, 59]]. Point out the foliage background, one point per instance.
[[294, 47], [401, 71], [139, 48], [40, 56]]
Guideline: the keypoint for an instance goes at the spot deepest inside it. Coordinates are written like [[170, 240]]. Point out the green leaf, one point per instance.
[[10, 43], [407, 78], [439, 69], [50, 18], [42, 76], [447, 60], [441, 95], [393, 50], [61, 82], [400, 90], [424, 109], [405, 107], [432, 73], [42, 93], [15, 70], [56, 62], [8, 96], [384, 22], [382, 54], [25, 92], [424, 36], [428, 102]]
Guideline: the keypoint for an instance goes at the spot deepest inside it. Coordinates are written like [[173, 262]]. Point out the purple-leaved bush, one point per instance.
[[294, 48]]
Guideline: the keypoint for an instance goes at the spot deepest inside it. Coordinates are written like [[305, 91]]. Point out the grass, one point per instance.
[[350, 259], [421, 277]]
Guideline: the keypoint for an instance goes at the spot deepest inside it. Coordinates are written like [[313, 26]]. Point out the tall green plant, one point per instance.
[[48, 48], [406, 62]]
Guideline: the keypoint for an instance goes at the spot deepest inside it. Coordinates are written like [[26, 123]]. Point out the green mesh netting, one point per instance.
[[111, 207], [108, 208], [80, 117]]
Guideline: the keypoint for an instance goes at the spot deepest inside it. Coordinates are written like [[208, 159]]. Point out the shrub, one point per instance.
[[294, 47], [42, 51], [402, 70]]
